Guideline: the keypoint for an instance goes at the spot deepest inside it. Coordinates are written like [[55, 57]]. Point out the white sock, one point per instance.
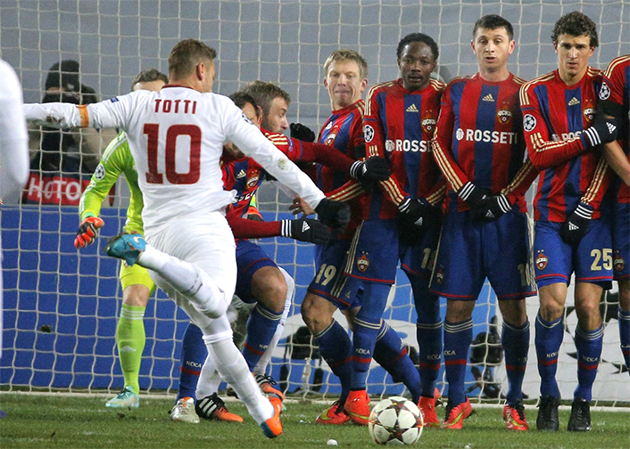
[[233, 369], [188, 279], [209, 380], [261, 366]]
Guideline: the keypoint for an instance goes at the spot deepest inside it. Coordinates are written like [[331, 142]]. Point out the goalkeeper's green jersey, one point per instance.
[[117, 159]]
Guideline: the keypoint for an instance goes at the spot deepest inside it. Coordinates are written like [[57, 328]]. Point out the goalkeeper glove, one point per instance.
[[301, 132], [333, 213], [576, 225], [472, 194], [306, 230], [603, 130], [491, 208], [87, 231], [371, 170]]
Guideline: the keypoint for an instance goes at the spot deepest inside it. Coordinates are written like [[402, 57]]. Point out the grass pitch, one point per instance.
[[35, 421]]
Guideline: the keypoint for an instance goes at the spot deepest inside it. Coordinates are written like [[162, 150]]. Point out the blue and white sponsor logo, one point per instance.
[[114, 99]]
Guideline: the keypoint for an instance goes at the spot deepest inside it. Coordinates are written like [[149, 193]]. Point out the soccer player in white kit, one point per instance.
[[176, 137], [14, 158]]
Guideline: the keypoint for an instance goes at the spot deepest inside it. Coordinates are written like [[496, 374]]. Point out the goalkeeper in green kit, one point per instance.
[[136, 283]]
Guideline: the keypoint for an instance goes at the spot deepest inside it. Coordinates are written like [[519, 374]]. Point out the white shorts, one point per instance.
[[208, 243]]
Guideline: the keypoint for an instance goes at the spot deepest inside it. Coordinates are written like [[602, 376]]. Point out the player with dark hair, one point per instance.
[[617, 104], [191, 255], [136, 283], [480, 149], [400, 121], [563, 132]]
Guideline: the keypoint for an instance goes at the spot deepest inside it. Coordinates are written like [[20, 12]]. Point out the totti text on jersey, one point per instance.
[[477, 135], [407, 145], [166, 106]]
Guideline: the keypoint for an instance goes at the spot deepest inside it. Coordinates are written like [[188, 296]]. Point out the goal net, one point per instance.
[[61, 305]]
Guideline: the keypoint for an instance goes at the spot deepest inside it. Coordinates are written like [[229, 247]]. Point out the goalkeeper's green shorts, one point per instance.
[[135, 275]]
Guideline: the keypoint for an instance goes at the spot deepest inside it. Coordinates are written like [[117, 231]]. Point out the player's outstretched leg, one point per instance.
[[231, 365], [185, 277]]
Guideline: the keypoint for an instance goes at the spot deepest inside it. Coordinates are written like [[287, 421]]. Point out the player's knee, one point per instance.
[[514, 311], [551, 310], [457, 311], [136, 295], [270, 288], [586, 309], [315, 314]]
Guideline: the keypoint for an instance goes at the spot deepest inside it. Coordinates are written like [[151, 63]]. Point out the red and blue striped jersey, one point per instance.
[[554, 116], [399, 125], [244, 175], [343, 131], [479, 139], [618, 82]]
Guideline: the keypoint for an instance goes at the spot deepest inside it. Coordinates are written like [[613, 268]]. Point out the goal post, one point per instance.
[[61, 306]]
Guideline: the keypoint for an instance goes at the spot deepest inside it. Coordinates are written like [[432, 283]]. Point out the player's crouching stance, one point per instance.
[[190, 249]]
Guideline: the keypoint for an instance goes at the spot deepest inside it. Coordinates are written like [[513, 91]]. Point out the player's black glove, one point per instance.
[[301, 132], [371, 170], [491, 208], [473, 194], [306, 230], [417, 212], [603, 129], [576, 225], [87, 231], [333, 213]]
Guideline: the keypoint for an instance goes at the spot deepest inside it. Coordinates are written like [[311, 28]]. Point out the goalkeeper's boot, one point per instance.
[[335, 415], [456, 414], [127, 247], [427, 407], [125, 399], [266, 384], [212, 407], [357, 406], [514, 417], [547, 418], [184, 411], [580, 420], [273, 427]]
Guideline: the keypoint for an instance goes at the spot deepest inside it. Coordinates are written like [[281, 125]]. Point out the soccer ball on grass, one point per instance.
[[396, 420]]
